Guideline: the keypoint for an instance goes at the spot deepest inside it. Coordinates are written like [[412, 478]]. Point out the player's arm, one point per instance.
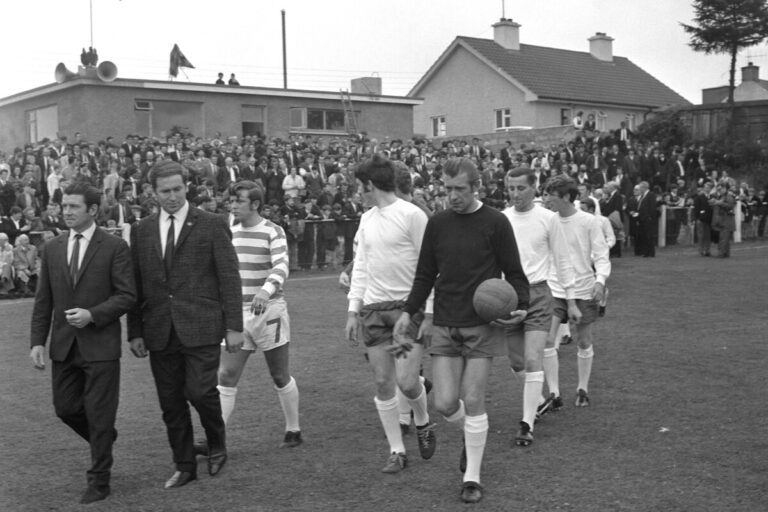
[[278, 254], [508, 257], [357, 285], [418, 225], [423, 281], [41, 315], [600, 259], [563, 265]]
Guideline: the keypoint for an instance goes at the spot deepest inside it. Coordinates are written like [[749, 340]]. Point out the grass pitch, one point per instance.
[[677, 420]]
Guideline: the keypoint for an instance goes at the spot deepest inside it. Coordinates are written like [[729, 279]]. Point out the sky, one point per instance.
[[333, 41]]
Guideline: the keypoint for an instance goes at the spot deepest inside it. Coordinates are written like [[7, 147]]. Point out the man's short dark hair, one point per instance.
[[379, 171], [526, 171], [562, 186], [91, 195], [403, 181], [254, 192], [455, 166], [166, 169]]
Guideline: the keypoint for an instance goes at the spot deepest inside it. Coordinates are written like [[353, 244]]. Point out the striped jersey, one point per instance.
[[262, 254]]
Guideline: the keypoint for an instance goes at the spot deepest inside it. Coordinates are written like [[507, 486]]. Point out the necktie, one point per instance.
[[170, 243], [74, 262]]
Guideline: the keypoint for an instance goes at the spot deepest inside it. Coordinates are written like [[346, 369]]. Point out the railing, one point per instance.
[[677, 227]]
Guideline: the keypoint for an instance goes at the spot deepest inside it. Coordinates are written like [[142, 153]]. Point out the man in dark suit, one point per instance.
[[647, 222], [189, 289], [623, 137], [85, 285]]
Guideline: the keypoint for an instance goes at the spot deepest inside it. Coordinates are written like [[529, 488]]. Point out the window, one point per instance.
[[565, 116], [503, 118], [317, 119], [601, 121], [438, 126], [42, 123], [631, 121]]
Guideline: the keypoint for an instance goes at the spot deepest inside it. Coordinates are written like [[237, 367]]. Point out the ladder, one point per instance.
[[350, 119]]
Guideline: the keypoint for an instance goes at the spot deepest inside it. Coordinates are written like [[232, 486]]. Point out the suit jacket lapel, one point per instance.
[[153, 226], [61, 256], [93, 246], [187, 227]]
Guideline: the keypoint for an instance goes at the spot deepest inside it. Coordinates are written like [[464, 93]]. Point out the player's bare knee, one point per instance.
[[534, 364], [227, 377], [410, 385], [281, 377]]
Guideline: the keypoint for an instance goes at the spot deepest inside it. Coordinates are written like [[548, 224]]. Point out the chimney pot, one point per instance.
[[507, 34], [601, 46]]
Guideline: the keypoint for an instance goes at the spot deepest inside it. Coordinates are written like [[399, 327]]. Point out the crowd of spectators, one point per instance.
[[310, 188]]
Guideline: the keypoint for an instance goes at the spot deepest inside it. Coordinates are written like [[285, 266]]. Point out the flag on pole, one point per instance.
[[178, 60]]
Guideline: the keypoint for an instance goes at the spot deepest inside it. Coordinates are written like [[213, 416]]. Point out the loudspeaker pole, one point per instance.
[[90, 5], [285, 61]]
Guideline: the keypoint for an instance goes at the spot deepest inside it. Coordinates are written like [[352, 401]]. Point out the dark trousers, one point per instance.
[[85, 397], [705, 238], [646, 238], [188, 374]]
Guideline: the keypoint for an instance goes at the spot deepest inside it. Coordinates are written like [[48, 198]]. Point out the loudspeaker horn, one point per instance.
[[107, 71], [62, 74]]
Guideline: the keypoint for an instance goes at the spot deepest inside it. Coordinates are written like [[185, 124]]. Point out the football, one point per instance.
[[494, 299]]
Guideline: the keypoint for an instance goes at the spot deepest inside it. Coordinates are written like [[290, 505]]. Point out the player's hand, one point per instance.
[[599, 292], [344, 282], [574, 313], [515, 318], [401, 326], [425, 329], [78, 317], [400, 347], [138, 348], [352, 329], [259, 303], [234, 341], [37, 354]]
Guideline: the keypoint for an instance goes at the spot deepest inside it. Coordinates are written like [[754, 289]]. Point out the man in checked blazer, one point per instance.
[[85, 285], [189, 299]]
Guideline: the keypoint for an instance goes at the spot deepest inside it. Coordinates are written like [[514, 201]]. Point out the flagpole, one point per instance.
[[90, 4]]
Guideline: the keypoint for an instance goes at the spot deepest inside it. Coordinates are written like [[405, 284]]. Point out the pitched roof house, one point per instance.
[[751, 88], [479, 86]]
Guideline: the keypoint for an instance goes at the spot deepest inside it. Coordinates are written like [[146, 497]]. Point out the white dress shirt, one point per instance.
[[165, 222], [87, 236]]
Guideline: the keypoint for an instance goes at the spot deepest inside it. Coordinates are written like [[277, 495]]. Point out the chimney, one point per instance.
[[750, 73], [601, 47], [507, 34]]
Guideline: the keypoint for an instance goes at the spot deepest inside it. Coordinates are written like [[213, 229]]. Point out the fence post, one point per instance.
[[737, 217], [662, 238]]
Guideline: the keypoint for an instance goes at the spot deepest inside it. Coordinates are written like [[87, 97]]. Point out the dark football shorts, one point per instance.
[[469, 342], [379, 319], [589, 309], [539, 317]]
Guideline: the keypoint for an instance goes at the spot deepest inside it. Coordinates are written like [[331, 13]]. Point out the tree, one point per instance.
[[727, 26]]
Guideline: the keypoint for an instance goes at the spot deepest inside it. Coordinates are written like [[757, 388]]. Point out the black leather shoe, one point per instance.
[[216, 461], [201, 448], [180, 479], [471, 492], [94, 493]]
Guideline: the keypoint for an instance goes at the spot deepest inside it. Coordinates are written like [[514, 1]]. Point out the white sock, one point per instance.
[[584, 359], [534, 383], [227, 399], [419, 406], [457, 418], [552, 370], [475, 435], [388, 416], [289, 401], [403, 407]]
